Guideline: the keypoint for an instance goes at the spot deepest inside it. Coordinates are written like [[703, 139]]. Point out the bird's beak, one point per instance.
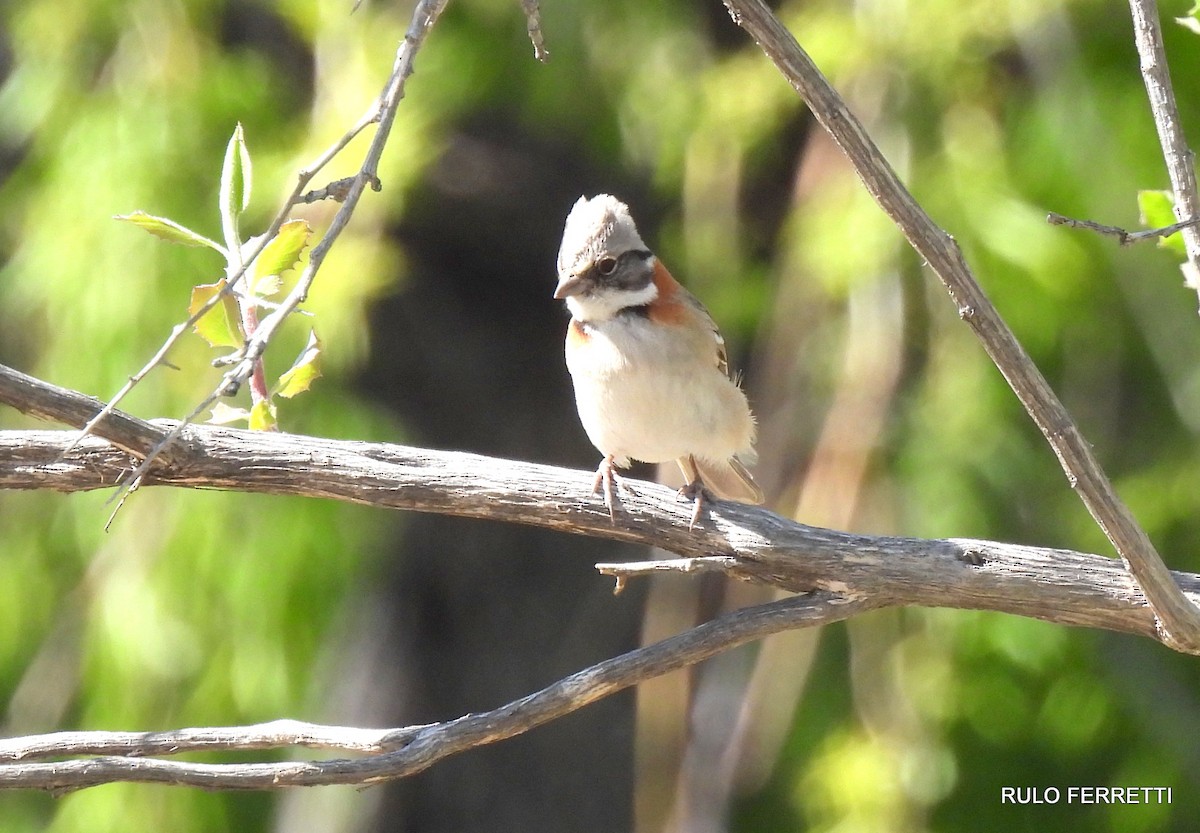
[[569, 285]]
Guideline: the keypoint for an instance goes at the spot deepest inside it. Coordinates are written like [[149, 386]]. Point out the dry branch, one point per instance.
[[843, 574], [247, 360], [401, 752], [1124, 236], [1056, 585], [840, 574], [1152, 55], [533, 22], [1177, 617]]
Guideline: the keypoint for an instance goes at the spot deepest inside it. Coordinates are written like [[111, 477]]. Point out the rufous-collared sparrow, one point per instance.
[[652, 381]]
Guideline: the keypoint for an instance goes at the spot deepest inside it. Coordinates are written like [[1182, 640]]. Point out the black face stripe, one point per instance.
[[635, 312], [632, 271]]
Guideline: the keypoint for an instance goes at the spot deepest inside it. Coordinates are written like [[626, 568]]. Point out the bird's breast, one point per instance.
[[650, 395]]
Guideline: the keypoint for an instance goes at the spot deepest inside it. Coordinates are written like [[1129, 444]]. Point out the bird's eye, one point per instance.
[[606, 266]]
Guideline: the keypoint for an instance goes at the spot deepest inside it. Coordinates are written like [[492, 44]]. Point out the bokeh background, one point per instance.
[[878, 411]]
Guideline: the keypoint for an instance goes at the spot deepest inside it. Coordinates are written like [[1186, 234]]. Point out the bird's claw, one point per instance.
[[606, 478], [695, 492]]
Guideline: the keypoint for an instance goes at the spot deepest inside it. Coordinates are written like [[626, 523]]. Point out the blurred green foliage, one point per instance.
[[205, 608]]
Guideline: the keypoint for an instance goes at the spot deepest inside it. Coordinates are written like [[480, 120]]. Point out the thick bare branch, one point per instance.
[[1056, 585], [839, 574], [46, 401], [1178, 618], [403, 751]]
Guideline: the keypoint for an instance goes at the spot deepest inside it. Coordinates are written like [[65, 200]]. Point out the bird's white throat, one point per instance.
[[603, 303]]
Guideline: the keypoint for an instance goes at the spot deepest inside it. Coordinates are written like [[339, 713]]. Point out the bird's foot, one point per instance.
[[695, 492], [605, 484]]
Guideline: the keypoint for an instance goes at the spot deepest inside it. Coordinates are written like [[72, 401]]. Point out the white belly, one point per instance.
[[642, 398]]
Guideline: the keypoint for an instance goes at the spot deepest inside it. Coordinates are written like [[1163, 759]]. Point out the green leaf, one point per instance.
[[304, 371], [1192, 20], [267, 285], [235, 187], [262, 416], [223, 414], [219, 326], [169, 230], [280, 255], [1156, 207], [1158, 211]]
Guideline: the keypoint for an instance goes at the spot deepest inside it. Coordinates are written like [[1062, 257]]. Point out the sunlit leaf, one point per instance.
[[235, 186], [262, 416], [168, 230], [223, 414], [219, 326], [1158, 211], [280, 255], [1191, 20], [267, 285], [305, 370]]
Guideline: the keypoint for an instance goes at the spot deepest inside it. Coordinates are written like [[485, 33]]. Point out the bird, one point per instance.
[[648, 363]]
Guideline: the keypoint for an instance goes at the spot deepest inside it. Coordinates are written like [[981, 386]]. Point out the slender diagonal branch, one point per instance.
[[1178, 618], [1147, 35], [46, 401], [424, 17], [403, 751], [304, 177]]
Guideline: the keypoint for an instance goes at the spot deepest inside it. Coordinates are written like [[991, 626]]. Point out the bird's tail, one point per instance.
[[726, 479]]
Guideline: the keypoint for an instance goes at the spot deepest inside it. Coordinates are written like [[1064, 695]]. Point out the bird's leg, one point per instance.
[[693, 489], [606, 477]]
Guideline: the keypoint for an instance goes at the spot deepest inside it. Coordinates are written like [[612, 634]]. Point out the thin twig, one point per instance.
[[1147, 35], [336, 191], [424, 16], [704, 564], [304, 177], [1124, 237], [533, 22], [46, 401], [384, 113], [1178, 618], [412, 749]]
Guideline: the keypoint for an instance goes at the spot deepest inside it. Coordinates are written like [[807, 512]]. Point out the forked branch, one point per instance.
[[382, 113], [1178, 618], [743, 541], [840, 575]]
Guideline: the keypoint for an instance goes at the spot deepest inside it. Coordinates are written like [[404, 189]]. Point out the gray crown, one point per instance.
[[596, 227]]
